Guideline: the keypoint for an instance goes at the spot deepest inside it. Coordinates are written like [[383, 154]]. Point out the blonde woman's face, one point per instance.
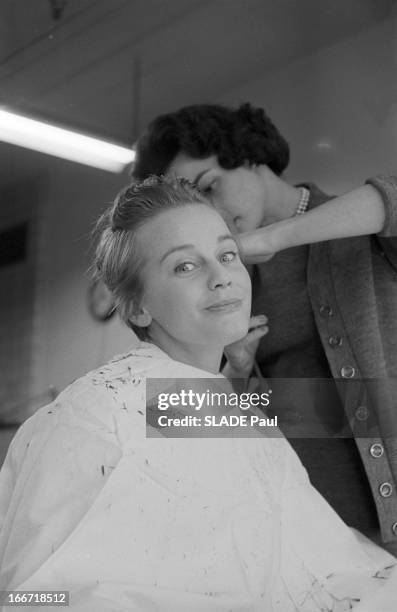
[[196, 289]]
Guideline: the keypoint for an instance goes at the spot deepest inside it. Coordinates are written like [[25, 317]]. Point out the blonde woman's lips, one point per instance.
[[225, 305]]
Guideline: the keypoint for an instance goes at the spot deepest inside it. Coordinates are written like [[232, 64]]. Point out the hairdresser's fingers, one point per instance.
[[257, 321], [256, 334], [241, 355]]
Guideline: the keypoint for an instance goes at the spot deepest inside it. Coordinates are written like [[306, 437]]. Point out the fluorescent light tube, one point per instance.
[[46, 138]]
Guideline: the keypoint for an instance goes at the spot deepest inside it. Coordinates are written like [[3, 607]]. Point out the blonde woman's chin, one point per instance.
[[229, 328]]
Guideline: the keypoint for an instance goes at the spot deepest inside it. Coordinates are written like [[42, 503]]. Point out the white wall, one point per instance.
[[68, 341], [337, 108]]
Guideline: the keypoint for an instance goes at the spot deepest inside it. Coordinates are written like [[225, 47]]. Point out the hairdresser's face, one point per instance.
[[239, 195], [195, 288]]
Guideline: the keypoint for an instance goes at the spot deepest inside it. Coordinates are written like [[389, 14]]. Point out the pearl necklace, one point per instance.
[[303, 201]]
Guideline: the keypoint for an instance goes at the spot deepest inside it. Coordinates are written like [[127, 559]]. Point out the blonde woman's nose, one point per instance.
[[219, 277]]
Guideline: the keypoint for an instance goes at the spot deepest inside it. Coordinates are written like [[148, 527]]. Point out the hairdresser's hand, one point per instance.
[[259, 245], [241, 354]]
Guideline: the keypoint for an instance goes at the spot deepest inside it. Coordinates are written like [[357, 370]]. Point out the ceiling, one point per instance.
[[109, 66]]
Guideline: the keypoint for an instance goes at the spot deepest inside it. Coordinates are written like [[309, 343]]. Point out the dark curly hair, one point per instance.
[[235, 136]]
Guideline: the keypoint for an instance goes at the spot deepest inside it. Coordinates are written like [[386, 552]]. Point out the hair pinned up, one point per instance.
[[117, 260]]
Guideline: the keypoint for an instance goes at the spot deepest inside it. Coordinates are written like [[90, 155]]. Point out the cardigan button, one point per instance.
[[376, 450], [362, 413], [326, 311], [348, 371], [386, 489], [335, 341], [394, 528]]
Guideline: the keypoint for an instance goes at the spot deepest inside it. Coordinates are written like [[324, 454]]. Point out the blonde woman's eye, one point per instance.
[[228, 257], [186, 266]]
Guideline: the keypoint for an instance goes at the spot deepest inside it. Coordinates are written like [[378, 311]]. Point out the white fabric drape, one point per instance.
[[88, 504]]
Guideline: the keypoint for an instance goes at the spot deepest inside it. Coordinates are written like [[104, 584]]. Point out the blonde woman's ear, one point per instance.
[[140, 316]]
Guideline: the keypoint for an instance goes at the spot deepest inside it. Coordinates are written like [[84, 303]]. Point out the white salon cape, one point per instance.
[[89, 505]]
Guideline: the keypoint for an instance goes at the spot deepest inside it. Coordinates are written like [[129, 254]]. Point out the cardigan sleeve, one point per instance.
[[387, 187]]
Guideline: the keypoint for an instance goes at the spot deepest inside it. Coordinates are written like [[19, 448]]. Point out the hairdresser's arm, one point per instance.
[[364, 211]]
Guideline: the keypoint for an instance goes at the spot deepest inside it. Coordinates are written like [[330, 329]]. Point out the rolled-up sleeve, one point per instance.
[[387, 187]]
